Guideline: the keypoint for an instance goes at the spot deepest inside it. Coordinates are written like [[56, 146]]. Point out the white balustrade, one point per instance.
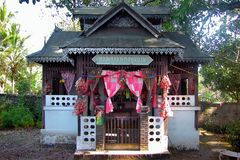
[[60, 100], [180, 100], [155, 132], [87, 140]]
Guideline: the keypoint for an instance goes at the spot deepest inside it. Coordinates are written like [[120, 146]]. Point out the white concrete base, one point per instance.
[[57, 137], [181, 130], [60, 119], [156, 147], [81, 145]]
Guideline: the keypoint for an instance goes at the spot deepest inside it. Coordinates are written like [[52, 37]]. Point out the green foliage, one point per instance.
[[23, 86], [223, 75], [211, 125], [12, 109], [13, 65], [16, 117], [233, 132]]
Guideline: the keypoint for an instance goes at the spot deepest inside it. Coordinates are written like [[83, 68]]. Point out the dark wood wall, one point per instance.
[[84, 63]]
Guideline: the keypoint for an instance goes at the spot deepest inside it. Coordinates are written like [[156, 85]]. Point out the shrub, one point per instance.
[[233, 134], [33, 104], [211, 125], [16, 117]]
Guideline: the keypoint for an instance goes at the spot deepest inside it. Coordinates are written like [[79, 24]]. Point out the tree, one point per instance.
[[12, 49], [15, 52], [5, 18], [223, 75]]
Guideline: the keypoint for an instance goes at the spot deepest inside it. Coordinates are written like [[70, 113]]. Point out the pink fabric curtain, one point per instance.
[[112, 85], [134, 82], [68, 77]]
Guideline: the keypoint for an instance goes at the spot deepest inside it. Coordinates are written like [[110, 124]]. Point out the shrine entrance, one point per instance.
[[122, 124], [122, 133]]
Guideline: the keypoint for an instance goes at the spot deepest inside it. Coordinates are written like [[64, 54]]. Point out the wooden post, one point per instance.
[[144, 128], [43, 95], [196, 94], [164, 71]]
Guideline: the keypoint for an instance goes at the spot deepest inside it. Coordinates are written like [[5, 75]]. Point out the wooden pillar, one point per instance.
[[43, 94], [196, 94], [99, 138], [164, 71], [144, 128]]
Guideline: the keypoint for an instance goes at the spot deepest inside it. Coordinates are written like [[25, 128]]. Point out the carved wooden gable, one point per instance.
[[122, 16], [123, 21]]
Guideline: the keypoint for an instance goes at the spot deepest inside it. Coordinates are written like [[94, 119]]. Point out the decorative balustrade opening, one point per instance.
[[61, 100], [180, 100]]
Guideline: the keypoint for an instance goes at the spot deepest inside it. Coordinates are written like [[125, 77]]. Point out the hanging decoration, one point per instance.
[[164, 108], [175, 80], [81, 103], [134, 82], [81, 86], [149, 82], [165, 83], [112, 85], [48, 87], [79, 107], [68, 79], [99, 115], [92, 85]]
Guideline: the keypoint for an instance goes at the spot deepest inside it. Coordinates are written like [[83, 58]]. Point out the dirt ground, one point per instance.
[[24, 145]]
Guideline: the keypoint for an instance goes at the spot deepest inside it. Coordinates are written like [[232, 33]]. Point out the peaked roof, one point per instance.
[[115, 10], [52, 52]]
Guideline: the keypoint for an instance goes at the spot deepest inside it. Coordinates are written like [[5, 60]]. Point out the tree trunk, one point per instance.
[[1, 87], [13, 86], [30, 80]]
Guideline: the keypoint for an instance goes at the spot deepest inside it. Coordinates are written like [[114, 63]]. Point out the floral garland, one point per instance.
[[164, 108], [81, 86], [165, 83], [82, 89], [79, 107]]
